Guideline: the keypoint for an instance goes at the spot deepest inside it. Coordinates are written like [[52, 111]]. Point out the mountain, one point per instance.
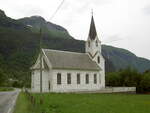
[[10, 23], [37, 22], [19, 46], [122, 58]]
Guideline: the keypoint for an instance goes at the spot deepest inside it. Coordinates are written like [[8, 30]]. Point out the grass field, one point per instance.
[[86, 103], [23, 105]]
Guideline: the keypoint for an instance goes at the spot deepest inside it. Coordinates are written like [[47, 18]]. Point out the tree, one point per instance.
[[145, 83], [129, 77], [113, 79], [2, 78]]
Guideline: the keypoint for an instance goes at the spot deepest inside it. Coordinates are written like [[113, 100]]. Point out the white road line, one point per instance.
[[9, 110], [12, 105]]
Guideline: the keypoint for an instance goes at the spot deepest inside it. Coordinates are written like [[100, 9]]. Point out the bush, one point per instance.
[[145, 83], [113, 79], [2, 78], [6, 89], [17, 84], [130, 78]]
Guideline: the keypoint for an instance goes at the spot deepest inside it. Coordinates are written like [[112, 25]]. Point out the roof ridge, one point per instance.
[[63, 51]]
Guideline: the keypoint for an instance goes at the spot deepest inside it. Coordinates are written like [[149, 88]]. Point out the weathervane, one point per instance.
[[92, 12]]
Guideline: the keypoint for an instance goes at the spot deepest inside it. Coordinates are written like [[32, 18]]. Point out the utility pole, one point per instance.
[[40, 60], [41, 45]]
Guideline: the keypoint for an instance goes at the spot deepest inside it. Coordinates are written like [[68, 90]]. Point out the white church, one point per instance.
[[64, 71]]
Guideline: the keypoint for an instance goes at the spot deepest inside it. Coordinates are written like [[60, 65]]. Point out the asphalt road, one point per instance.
[[8, 100]]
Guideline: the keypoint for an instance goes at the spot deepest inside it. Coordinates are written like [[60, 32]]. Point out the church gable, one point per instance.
[[98, 58], [45, 63], [37, 63], [98, 54]]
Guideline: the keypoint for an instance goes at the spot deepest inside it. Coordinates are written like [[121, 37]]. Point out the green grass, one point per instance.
[[23, 105], [89, 103], [6, 89]]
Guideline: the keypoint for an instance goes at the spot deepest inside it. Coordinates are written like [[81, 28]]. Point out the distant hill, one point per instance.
[[19, 46], [122, 58], [10, 23], [37, 22]]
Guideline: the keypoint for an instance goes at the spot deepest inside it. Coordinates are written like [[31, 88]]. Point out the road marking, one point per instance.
[[13, 103], [9, 110]]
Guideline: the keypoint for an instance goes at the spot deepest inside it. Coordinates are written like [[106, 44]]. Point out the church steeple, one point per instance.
[[92, 32], [93, 44], [93, 49]]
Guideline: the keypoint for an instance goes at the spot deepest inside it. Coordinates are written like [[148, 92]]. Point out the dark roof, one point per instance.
[[70, 60], [92, 32]]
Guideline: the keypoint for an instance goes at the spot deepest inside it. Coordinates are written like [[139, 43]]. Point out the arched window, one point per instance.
[[98, 59], [88, 43], [58, 78], [78, 78], [68, 78], [87, 79], [49, 85], [96, 43], [95, 78]]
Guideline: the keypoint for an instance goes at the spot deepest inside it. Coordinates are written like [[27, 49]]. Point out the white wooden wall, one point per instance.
[[35, 85], [51, 76], [73, 87]]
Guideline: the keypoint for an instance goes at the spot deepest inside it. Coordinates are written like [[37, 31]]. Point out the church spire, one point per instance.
[[92, 32]]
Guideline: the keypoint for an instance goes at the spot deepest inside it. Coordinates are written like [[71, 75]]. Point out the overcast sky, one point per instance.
[[120, 23]]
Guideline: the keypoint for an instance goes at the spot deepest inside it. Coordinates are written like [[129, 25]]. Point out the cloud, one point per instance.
[[146, 10], [112, 38], [121, 23]]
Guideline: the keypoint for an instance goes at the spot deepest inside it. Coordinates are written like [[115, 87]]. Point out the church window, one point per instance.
[[95, 78], [49, 85], [58, 78], [88, 43], [96, 43], [32, 81], [98, 59], [68, 78], [78, 78], [87, 78], [100, 78]]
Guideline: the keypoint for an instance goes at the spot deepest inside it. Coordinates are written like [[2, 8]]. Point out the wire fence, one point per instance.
[[35, 103]]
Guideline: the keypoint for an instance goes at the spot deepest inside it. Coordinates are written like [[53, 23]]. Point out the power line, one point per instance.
[[41, 45], [57, 9], [112, 40]]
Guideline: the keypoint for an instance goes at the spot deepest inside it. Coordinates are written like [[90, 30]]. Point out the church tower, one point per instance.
[[93, 49], [93, 44]]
